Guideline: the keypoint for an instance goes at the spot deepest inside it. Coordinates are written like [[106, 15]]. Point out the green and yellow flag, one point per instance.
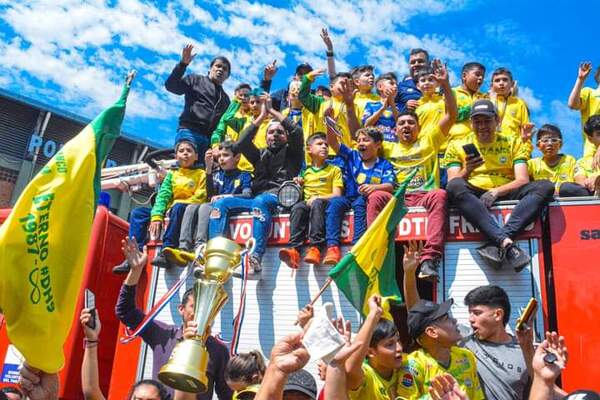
[[370, 266], [44, 242]]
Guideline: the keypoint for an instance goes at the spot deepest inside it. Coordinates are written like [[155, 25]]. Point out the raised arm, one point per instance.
[[245, 143], [309, 100], [353, 365], [574, 102], [410, 264], [268, 74], [176, 83], [333, 140], [219, 132], [330, 57], [90, 381], [441, 76], [348, 93]]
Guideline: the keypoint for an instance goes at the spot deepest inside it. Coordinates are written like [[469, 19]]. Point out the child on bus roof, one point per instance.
[[382, 112], [587, 101], [587, 170], [512, 110], [320, 182]]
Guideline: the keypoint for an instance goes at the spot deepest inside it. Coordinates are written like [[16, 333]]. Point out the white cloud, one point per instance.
[[532, 101]]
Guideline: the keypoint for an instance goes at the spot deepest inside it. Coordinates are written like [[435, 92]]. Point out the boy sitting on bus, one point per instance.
[[587, 101], [367, 192], [587, 174], [224, 180], [512, 110], [554, 166], [320, 182]]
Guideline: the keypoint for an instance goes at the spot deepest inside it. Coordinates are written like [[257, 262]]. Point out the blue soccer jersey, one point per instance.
[[381, 172], [386, 122], [231, 182]]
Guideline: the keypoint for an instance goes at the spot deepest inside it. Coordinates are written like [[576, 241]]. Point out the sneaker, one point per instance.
[[122, 268], [429, 270], [290, 257], [492, 255], [515, 257], [161, 261], [256, 265], [332, 256], [175, 256], [313, 256]]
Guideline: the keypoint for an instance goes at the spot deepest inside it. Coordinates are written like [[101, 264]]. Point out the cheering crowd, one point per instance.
[[348, 147]]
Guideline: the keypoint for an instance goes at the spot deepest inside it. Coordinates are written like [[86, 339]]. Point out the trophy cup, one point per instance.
[[186, 368]]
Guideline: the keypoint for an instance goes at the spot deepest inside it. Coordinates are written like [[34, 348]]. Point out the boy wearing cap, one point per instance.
[[430, 325], [587, 101], [497, 172], [554, 166], [300, 386], [383, 112]]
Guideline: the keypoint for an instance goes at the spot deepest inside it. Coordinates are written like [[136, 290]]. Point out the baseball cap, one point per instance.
[[304, 66], [582, 395], [483, 107], [422, 314], [302, 381]]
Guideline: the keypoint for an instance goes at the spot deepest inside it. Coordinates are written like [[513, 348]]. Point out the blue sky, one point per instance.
[[73, 54]]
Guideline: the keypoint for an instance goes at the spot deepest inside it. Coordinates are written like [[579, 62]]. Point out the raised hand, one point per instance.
[[186, 54], [289, 354], [305, 315], [208, 160], [312, 75], [270, 71], [375, 305], [326, 39], [445, 387], [440, 72], [137, 259], [549, 371], [84, 318], [412, 253], [584, 70], [527, 132], [347, 92]]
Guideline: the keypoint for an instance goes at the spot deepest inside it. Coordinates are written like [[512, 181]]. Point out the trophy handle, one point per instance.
[[250, 245], [200, 261]]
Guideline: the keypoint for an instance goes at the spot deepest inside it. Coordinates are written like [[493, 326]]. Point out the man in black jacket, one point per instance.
[[205, 99], [281, 161]]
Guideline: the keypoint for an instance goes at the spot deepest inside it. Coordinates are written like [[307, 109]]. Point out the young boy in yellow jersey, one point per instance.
[[238, 110], [512, 110], [472, 75], [436, 332], [364, 81], [587, 174], [383, 112], [587, 101], [297, 112], [431, 105], [554, 166], [341, 103], [378, 369], [418, 148], [180, 187], [320, 182]]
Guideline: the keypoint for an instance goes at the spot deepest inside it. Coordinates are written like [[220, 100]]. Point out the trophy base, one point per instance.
[[186, 369]]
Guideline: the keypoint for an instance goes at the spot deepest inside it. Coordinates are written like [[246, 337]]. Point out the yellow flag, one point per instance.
[[44, 242]]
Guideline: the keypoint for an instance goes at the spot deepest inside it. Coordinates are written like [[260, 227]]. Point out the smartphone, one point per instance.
[[527, 313], [90, 303], [471, 150]]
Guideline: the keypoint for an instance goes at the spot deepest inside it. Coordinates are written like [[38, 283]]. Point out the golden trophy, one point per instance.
[[186, 368]]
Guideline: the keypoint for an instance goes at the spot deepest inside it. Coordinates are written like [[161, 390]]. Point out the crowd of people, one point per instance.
[[347, 147]]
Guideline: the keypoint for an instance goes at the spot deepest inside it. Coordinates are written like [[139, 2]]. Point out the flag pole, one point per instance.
[[318, 295]]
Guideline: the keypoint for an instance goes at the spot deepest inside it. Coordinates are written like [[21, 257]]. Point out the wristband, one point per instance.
[[87, 343], [329, 53]]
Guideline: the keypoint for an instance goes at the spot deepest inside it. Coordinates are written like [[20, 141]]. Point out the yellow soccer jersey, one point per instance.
[[464, 101], [463, 368], [306, 119], [321, 181], [183, 185], [499, 158], [400, 386], [562, 172], [513, 114], [422, 154], [584, 168], [339, 114], [590, 105], [430, 111], [360, 102]]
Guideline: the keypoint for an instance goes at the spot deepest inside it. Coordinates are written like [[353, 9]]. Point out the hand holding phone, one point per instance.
[[527, 314], [471, 150], [90, 303]]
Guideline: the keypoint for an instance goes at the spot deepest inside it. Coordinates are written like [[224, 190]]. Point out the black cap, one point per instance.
[[305, 66], [483, 107], [302, 381], [582, 395], [422, 314]]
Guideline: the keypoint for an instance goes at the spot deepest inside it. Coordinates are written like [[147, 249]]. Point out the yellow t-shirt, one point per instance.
[[513, 114], [246, 391], [464, 102], [422, 154], [321, 181], [463, 368], [339, 114], [360, 102], [499, 158], [590, 105], [374, 387], [562, 172], [584, 168], [430, 111], [307, 120]]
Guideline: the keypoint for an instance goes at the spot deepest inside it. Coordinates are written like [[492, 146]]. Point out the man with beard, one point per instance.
[[205, 99], [280, 161], [503, 360]]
